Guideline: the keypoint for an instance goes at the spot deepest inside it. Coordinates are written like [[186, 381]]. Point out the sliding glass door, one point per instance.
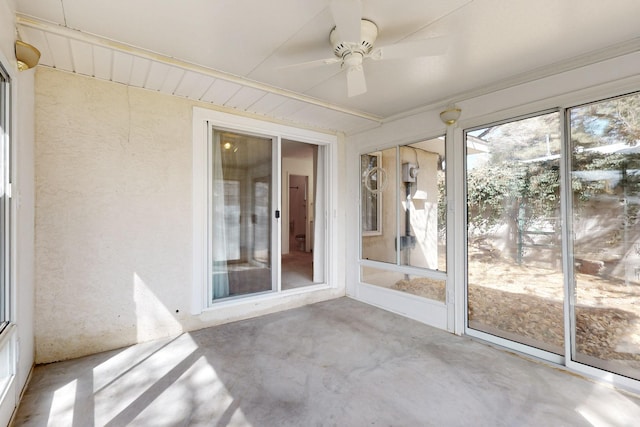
[[605, 178], [257, 183], [553, 235], [515, 280]]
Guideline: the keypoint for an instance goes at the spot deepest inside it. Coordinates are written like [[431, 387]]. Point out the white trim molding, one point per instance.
[[202, 120]]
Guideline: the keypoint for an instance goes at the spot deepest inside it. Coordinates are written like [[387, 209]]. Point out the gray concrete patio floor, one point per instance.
[[339, 362]]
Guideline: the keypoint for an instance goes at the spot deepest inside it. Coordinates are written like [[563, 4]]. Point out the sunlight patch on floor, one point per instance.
[[602, 409], [63, 403]]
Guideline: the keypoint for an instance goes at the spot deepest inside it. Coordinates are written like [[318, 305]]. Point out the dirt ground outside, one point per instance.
[[526, 304]]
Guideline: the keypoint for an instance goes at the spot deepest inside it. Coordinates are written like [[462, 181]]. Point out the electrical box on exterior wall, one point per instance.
[[409, 172]]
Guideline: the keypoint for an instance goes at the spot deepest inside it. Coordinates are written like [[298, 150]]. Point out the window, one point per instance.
[[7, 338], [403, 218], [5, 219]]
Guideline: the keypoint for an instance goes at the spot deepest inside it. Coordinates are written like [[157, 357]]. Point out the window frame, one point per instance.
[[6, 235], [9, 345], [432, 312]]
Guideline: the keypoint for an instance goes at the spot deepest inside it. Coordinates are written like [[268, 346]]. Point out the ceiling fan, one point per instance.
[[353, 40]]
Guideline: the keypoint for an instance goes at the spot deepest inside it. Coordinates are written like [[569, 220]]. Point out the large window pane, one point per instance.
[[515, 280], [403, 216], [240, 221], [605, 173]]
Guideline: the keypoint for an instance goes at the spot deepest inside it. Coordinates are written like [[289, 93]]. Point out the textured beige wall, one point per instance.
[[113, 182], [113, 218]]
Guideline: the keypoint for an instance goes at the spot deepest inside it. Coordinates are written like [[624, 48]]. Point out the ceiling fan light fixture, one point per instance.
[[450, 115], [352, 59], [368, 35], [353, 42]]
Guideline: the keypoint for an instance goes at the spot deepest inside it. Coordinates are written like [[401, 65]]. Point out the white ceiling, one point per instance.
[[230, 52]]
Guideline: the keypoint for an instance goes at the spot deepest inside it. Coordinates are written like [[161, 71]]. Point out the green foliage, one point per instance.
[[512, 190], [512, 186], [442, 203], [612, 121]]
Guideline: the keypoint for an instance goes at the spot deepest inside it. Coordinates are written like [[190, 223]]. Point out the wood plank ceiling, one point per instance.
[[92, 56], [231, 53]]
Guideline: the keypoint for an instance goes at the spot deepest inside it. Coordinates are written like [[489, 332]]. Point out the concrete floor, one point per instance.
[[340, 363], [297, 269]]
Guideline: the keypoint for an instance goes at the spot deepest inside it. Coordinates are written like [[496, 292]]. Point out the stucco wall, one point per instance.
[[114, 218]]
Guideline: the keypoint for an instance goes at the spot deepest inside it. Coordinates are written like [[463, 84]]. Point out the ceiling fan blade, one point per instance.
[[356, 83], [412, 49], [310, 64], [347, 15]]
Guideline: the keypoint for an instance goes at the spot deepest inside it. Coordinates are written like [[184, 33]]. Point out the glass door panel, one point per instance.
[[605, 174], [240, 219], [515, 283], [303, 212]]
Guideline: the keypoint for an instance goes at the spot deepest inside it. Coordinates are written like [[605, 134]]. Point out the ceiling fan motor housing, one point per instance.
[[344, 48]]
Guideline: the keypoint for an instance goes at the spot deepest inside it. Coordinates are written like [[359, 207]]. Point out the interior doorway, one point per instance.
[[298, 219], [302, 180]]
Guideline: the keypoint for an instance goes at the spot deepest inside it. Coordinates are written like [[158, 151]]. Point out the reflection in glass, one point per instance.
[[423, 198], [261, 221], [378, 193], [374, 178], [605, 175], [416, 285], [515, 278], [409, 230], [240, 220]]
